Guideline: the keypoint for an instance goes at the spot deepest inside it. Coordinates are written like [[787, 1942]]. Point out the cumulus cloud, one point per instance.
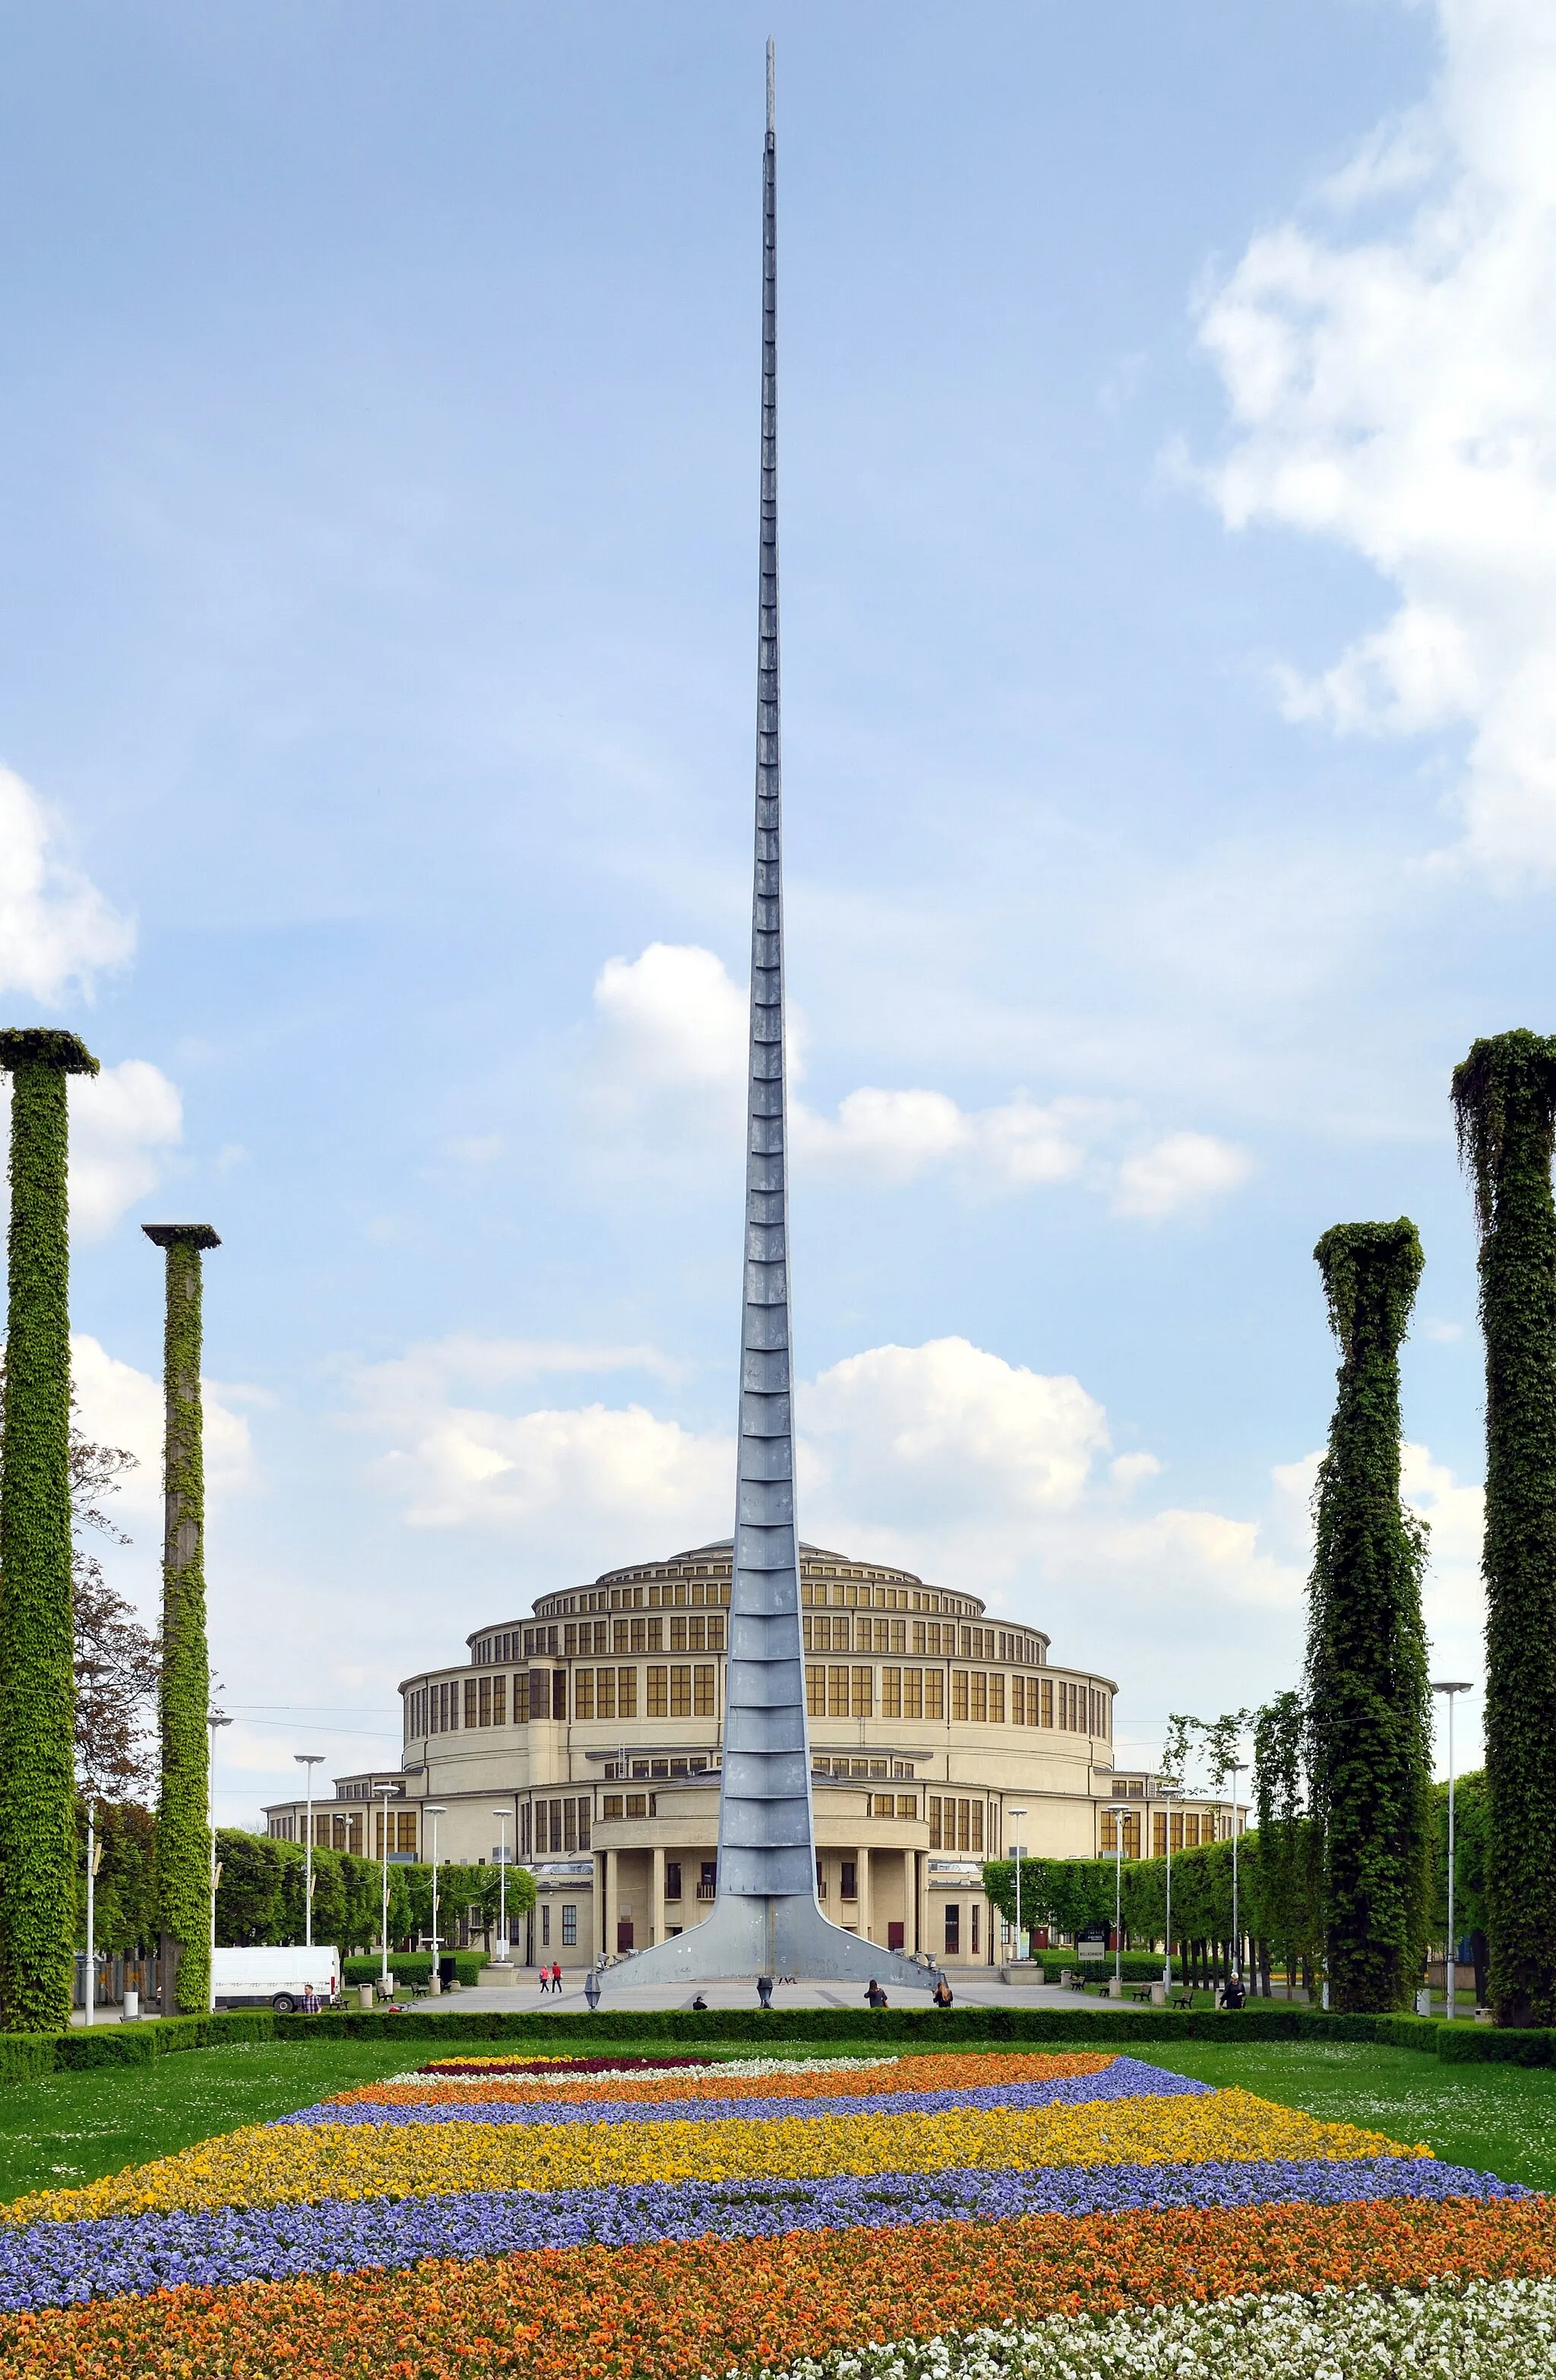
[[56, 930], [577, 1476], [1392, 390], [973, 1471], [118, 1405], [1183, 1169], [675, 1038], [123, 1123]]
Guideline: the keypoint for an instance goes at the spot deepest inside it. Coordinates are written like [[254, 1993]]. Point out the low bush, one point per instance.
[[1491, 2045], [25, 2054]]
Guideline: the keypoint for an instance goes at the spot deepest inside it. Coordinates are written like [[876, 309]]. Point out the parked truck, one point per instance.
[[275, 1976]]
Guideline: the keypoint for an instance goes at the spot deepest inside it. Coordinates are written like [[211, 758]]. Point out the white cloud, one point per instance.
[[896, 1136], [947, 1426], [1394, 391], [122, 1124], [673, 1053], [56, 930], [971, 1470], [118, 1405], [1182, 1171], [674, 1020]]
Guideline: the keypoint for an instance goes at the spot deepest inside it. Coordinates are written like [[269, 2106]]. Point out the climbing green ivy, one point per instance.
[[1504, 1099], [183, 1806], [37, 1677], [1370, 1720]]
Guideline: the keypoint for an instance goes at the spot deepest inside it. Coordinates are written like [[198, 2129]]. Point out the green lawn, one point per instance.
[[59, 2129], [1500, 2118]]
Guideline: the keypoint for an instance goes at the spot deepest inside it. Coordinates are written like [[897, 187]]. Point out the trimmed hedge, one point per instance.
[[412, 1967], [920, 2027], [1491, 2045], [1138, 1967], [26, 2054]]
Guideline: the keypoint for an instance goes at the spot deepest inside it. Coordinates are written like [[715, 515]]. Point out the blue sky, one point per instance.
[[1167, 527]]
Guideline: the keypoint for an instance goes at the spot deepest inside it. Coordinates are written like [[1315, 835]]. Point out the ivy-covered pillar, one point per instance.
[[1368, 1697], [1504, 1098], [37, 1650], [184, 1803]]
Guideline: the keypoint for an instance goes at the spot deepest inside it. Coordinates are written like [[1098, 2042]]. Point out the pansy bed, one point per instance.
[[826, 2220]]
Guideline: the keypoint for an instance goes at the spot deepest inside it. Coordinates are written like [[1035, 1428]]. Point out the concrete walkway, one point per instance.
[[979, 1988]]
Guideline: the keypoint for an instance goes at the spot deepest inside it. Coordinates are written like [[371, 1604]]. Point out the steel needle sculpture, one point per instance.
[[766, 1918]]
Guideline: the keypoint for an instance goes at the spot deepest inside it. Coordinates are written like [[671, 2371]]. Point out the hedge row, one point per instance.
[[920, 2026], [23, 2054], [413, 1967]]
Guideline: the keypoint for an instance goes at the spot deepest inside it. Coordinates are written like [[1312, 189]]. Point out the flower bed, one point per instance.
[[667, 2223]]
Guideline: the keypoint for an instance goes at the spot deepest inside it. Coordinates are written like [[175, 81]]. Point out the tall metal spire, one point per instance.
[[766, 1915], [766, 1836]]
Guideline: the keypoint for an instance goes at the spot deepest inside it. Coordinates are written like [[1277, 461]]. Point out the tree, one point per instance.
[[1504, 1101], [1287, 1910], [1368, 1699], [38, 1856]]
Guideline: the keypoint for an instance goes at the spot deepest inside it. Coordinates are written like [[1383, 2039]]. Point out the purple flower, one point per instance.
[[65, 2263]]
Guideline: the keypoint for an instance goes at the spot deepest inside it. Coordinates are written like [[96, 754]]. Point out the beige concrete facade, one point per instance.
[[596, 1720]]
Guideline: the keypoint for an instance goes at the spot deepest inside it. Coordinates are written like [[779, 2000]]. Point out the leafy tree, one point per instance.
[[1368, 1700], [1504, 1101], [1287, 1907], [124, 1915]]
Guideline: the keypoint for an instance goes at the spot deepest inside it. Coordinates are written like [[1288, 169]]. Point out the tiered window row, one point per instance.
[[957, 1826]]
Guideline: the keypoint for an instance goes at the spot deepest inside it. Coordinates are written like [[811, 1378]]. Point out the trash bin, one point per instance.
[[1158, 1995], [446, 1973], [132, 2006], [364, 1995]]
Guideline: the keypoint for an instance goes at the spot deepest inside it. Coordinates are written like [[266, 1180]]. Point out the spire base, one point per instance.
[[757, 1934]]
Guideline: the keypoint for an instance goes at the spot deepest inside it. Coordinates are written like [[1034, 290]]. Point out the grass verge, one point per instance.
[[1501, 2119]]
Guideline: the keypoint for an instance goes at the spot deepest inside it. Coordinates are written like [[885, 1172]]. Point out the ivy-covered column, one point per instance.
[[37, 1651], [1369, 1695], [184, 1804], [1504, 1097]]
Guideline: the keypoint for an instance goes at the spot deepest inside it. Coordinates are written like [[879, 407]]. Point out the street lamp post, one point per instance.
[[1233, 1769], [1166, 1794], [1017, 1817], [308, 1761], [387, 1793], [433, 1810], [94, 1854], [1448, 1687], [502, 1817], [213, 1719], [1118, 1812]]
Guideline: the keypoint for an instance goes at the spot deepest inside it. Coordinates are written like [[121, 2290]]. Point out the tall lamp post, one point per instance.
[[387, 1794], [1448, 1687], [1017, 1817], [213, 1719], [94, 1856], [1233, 1769], [1118, 1812], [1166, 1794], [502, 1817], [433, 1810], [308, 1761]]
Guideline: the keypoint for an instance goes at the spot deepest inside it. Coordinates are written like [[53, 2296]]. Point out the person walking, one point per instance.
[[556, 1976], [545, 1979], [942, 1995], [874, 1995], [764, 1991]]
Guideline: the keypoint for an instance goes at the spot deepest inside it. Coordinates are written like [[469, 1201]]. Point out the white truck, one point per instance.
[[274, 1976]]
